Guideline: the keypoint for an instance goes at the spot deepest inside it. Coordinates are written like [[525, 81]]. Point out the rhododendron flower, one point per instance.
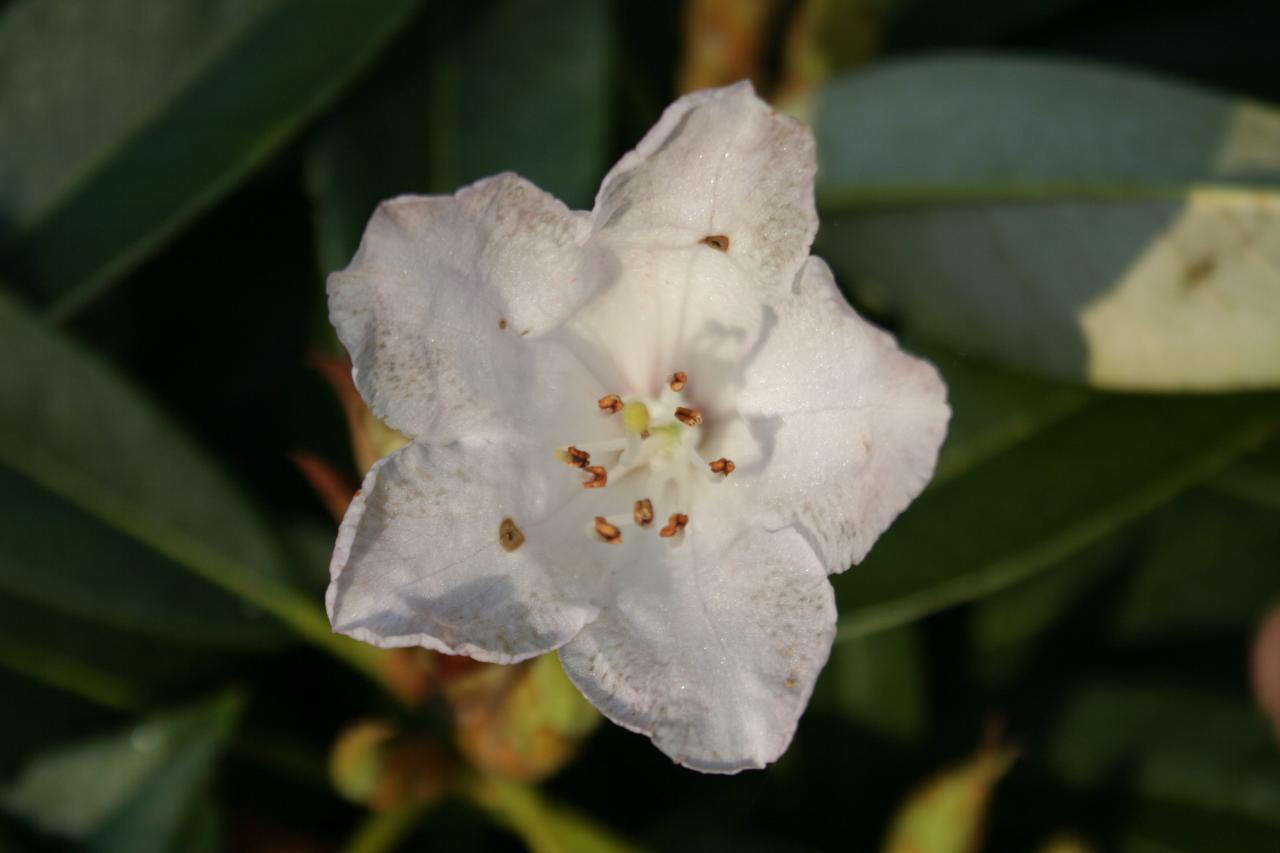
[[642, 436]]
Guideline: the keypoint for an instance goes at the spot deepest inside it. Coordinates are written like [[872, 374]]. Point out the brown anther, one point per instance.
[[679, 379], [722, 466], [608, 532], [577, 458], [688, 417], [644, 512], [599, 477], [509, 536], [719, 242], [610, 403], [678, 521]]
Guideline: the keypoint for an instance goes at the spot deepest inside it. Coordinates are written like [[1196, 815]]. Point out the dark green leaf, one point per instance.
[[1169, 742], [877, 682], [1082, 222], [122, 119], [110, 498], [517, 86], [114, 668], [129, 791], [1059, 490]]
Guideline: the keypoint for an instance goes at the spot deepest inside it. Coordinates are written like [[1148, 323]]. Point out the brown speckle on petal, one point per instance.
[[510, 537], [719, 242]]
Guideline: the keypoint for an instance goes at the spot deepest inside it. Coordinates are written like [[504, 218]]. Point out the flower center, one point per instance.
[[654, 464]]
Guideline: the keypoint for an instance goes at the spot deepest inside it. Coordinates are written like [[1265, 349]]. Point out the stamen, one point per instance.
[[510, 537], [608, 532], [573, 456], [599, 477], [610, 403], [720, 242], [678, 522], [722, 466], [678, 380], [688, 417], [644, 512]]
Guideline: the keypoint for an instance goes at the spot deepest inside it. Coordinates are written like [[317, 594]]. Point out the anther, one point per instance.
[[610, 403], [722, 466], [575, 457], [678, 380], [719, 242], [599, 477], [509, 536], [608, 532], [644, 512], [688, 417], [676, 523]]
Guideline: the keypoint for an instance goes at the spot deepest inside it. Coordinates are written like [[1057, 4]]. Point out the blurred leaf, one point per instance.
[[877, 682], [949, 812], [109, 499], [202, 832], [993, 409], [543, 826], [37, 716], [1062, 487], [114, 668], [473, 91], [943, 24], [125, 118], [79, 431], [1169, 742], [1255, 478], [58, 555], [1156, 827], [1085, 223], [130, 791], [1202, 565]]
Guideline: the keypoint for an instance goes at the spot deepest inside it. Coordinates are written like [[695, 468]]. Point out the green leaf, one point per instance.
[[1157, 827], [1200, 566], [517, 86], [38, 716], [130, 791], [1060, 489], [123, 119], [877, 682], [1081, 222], [544, 826], [73, 427], [114, 668], [109, 499], [1175, 743]]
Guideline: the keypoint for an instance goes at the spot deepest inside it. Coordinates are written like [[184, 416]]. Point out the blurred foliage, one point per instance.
[[1052, 200]]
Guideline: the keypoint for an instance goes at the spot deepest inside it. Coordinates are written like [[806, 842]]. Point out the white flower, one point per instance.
[[740, 432]]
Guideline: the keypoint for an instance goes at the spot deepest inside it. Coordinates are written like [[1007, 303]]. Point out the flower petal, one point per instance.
[[720, 163], [443, 307], [462, 549], [845, 426], [714, 654]]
